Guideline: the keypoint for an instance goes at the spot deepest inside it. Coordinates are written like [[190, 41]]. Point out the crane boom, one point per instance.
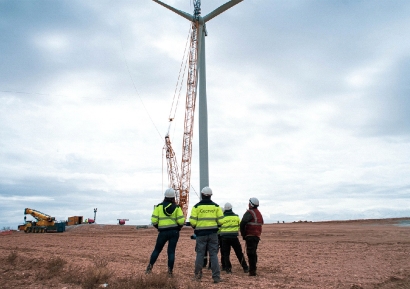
[[39, 216], [181, 183], [189, 120], [172, 168]]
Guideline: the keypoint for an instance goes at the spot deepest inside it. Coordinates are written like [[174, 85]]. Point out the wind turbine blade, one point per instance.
[[220, 9], [179, 12]]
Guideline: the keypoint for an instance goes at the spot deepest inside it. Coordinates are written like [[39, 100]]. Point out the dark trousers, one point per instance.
[[222, 254], [171, 237], [227, 243], [251, 247]]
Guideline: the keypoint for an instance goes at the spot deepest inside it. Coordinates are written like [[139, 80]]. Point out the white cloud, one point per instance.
[[307, 106]]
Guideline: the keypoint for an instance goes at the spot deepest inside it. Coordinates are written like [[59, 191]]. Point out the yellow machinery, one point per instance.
[[43, 223]]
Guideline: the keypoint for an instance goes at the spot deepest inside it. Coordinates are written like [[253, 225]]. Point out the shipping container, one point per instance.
[[75, 220]]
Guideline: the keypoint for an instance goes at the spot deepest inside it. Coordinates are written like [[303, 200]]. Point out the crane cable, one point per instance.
[[135, 87], [180, 79]]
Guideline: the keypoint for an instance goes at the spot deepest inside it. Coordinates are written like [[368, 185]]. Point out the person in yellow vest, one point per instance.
[[168, 219], [206, 217], [229, 235]]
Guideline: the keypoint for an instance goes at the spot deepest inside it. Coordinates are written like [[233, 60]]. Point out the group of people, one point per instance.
[[214, 228]]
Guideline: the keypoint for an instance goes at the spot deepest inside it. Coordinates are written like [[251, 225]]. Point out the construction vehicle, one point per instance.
[[89, 221], [43, 223], [181, 182]]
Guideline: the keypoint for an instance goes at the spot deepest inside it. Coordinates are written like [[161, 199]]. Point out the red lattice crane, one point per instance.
[[182, 182]]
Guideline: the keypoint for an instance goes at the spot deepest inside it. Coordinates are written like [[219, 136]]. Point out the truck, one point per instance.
[[43, 223]]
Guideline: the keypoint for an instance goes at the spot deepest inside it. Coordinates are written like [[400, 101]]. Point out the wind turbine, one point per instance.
[[202, 105]]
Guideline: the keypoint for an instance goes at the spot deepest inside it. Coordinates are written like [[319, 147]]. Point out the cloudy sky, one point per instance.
[[309, 107]]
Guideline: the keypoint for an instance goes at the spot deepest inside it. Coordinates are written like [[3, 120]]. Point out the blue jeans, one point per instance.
[[202, 242], [171, 237]]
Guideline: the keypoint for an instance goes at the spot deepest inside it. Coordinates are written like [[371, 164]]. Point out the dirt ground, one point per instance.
[[350, 254]]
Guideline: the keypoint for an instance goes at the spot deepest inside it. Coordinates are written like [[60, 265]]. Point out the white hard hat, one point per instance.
[[228, 206], [169, 193], [206, 191], [254, 202]]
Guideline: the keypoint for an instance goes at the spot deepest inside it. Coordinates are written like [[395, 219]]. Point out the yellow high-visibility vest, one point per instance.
[[230, 226], [165, 221], [206, 215]]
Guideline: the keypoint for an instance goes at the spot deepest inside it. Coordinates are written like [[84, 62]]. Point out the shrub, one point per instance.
[[73, 275], [151, 281], [55, 265], [96, 275], [12, 257], [51, 268]]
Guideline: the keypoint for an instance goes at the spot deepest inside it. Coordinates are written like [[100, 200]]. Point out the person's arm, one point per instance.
[[238, 222], [180, 217], [193, 219], [155, 217], [219, 216], [245, 219]]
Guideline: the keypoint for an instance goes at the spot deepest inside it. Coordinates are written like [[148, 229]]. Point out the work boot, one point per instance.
[[149, 269], [217, 280], [197, 277]]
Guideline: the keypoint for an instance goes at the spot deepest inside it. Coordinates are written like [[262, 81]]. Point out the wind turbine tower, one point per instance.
[[202, 105]]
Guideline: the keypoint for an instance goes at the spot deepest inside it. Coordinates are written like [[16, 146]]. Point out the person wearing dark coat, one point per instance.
[[251, 230]]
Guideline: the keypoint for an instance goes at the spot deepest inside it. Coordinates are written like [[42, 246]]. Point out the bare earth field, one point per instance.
[[349, 254]]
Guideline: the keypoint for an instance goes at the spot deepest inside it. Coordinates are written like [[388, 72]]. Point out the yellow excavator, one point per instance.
[[43, 223]]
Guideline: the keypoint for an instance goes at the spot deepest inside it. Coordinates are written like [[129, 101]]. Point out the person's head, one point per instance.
[[227, 207], [169, 195], [206, 193], [253, 203]]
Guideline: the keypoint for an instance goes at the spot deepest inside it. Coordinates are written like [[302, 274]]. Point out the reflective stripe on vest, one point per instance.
[[255, 218], [254, 227]]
